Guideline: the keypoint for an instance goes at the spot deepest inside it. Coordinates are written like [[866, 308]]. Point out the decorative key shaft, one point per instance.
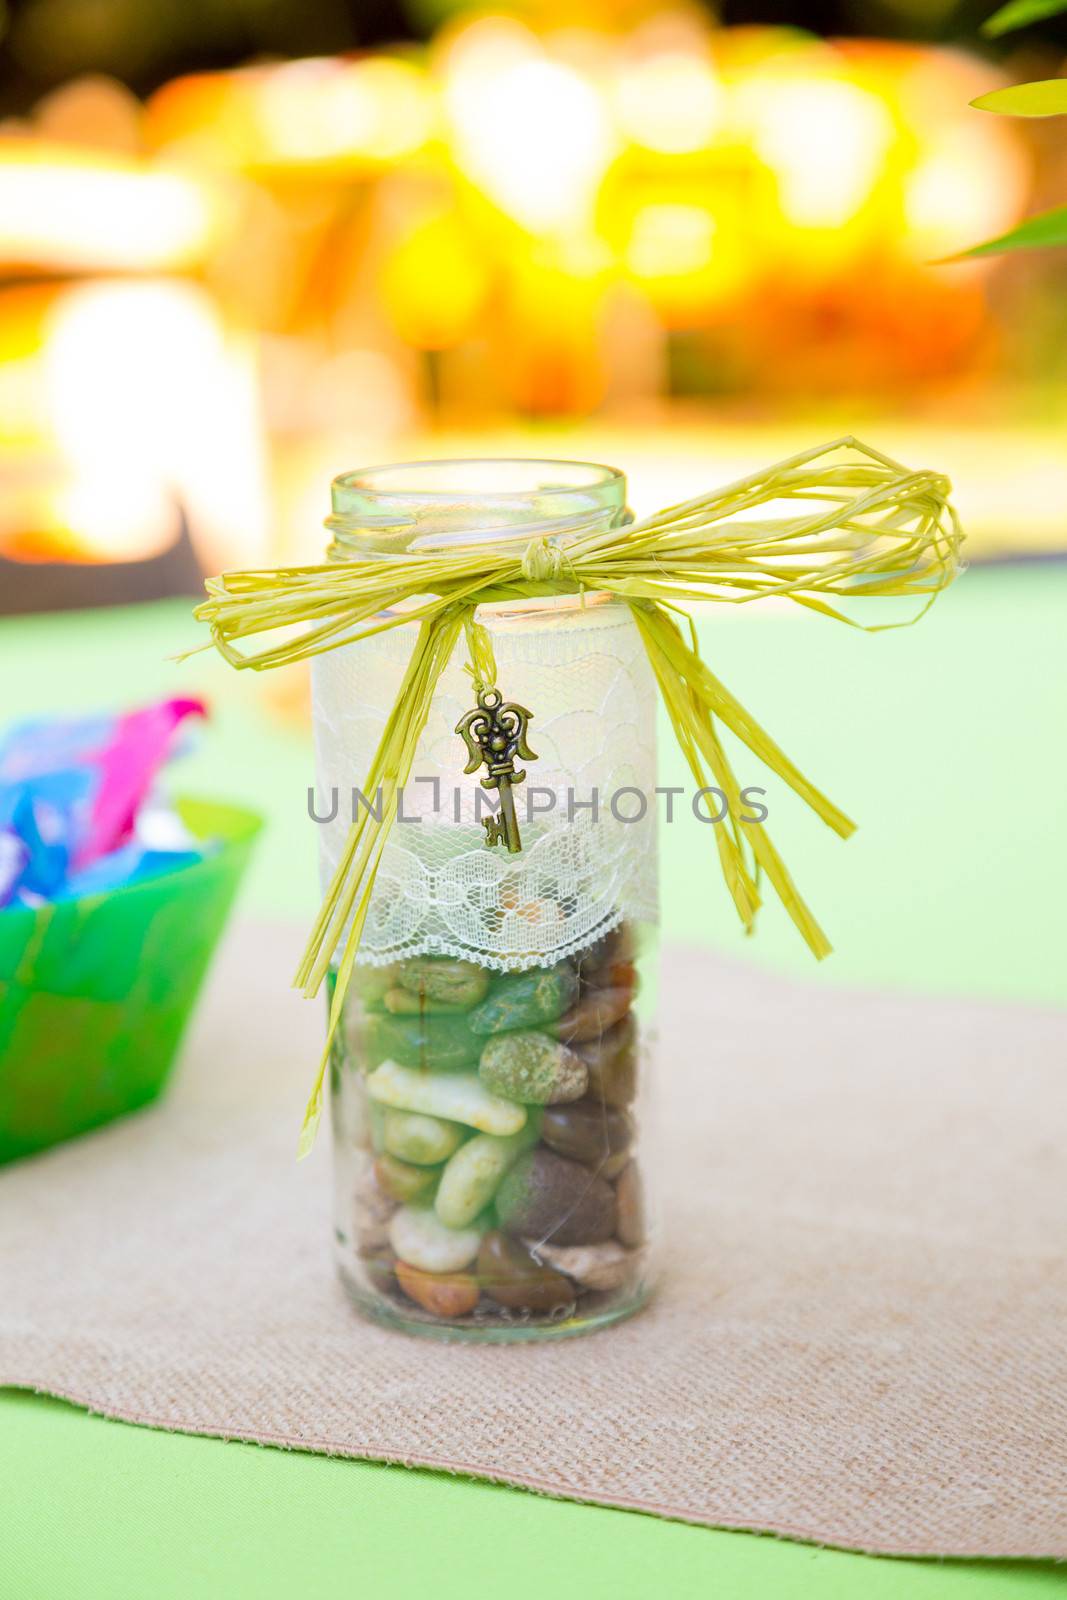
[[495, 735]]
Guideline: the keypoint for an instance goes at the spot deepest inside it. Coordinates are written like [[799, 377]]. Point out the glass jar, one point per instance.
[[491, 1079]]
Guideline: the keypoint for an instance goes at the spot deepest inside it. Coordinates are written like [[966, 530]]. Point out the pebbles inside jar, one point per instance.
[[488, 1134]]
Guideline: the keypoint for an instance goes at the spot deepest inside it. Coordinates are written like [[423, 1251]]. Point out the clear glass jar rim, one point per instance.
[[374, 481]]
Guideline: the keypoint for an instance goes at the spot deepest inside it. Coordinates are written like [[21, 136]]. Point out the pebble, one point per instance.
[[618, 945], [615, 1164], [439, 978], [545, 915], [444, 1043], [596, 1012], [370, 1236], [525, 999], [402, 1003], [513, 1277], [471, 1177], [609, 964], [372, 1212], [544, 1196], [419, 1238], [588, 1131], [401, 1182], [612, 1064], [456, 1096], [353, 1032], [371, 983], [424, 1141], [630, 1200], [592, 1266], [617, 975], [531, 1067], [442, 1294], [379, 1270], [350, 1112]]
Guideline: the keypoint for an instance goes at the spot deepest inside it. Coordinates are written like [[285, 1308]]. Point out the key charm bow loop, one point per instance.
[[495, 733]]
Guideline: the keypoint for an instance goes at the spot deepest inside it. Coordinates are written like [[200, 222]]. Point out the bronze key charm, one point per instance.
[[495, 734]]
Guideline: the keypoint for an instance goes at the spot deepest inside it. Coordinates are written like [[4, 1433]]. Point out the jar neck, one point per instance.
[[459, 504]]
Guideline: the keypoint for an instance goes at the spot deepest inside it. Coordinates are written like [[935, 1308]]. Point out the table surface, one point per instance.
[[945, 742]]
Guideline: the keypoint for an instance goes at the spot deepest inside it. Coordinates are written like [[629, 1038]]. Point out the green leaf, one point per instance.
[[1046, 98], [1019, 14], [1046, 229]]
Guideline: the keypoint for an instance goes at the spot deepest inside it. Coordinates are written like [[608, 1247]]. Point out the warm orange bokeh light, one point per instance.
[[70, 210], [507, 222]]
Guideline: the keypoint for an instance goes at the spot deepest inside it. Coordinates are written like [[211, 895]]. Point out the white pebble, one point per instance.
[[455, 1096], [422, 1240]]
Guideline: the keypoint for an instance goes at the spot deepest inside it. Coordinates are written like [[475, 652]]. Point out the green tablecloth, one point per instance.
[[946, 744]]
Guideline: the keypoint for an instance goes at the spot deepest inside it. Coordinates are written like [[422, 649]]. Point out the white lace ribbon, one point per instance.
[[584, 674]]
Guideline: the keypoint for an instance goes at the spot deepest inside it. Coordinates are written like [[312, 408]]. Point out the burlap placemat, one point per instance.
[[860, 1338]]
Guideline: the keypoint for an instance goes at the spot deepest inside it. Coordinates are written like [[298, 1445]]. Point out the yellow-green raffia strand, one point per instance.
[[850, 525], [349, 892]]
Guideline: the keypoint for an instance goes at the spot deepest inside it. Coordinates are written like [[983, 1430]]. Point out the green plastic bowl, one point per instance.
[[96, 992]]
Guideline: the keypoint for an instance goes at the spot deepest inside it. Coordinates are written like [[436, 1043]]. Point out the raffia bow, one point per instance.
[[863, 527]]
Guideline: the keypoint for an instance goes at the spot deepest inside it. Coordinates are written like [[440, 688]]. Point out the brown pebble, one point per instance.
[[513, 1277], [629, 1196], [612, 1064], [596, 1012], [618, 945], [442, 1294], [615, 1164], [593, 1266], [610, 962], [587, 1131], [616, 975], [545, 1196]]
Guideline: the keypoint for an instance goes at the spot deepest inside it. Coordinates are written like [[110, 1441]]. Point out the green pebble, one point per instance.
[[532, 1068], [444, 1044], [376, 1124], [424, 1141], [470, 1179], [525, 999], [402, 1003], [372, 983], [401, 1182], [439, 978]]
